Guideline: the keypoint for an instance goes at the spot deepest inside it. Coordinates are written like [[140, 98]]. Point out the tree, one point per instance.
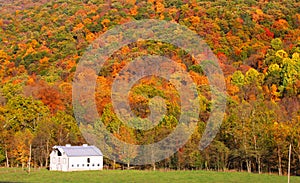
[[43, 140], [238, 79], [281, 132], [22, 144], [66, 130], [22, 113], [128, 152]]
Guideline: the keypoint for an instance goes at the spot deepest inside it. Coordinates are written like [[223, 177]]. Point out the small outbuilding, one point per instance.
[[76, 158]]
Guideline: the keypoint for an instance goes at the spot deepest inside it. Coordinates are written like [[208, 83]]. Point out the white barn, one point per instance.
[[76, 158]]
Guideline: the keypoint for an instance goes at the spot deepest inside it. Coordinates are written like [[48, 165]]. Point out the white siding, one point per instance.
[[58, 163], [81, 163]]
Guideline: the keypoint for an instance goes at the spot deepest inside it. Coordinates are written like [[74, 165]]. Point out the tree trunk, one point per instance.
[[7, 161], [248, 164], [241, 166], [178, 160], [289, 166], [298, 151], [259, 164], [114, 165], [279, 161], [152, 159], [258, 160], [29, 159], [47, 153]]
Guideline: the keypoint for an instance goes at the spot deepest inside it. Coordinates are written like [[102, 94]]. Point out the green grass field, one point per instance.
[[18, 175]]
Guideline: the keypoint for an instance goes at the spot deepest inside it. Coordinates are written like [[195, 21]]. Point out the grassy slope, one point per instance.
[[17, 175]]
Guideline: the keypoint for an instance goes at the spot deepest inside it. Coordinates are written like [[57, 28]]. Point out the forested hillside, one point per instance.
[[257, 43]]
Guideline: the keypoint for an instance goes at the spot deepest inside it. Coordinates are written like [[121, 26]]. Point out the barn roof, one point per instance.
[[80, 150]]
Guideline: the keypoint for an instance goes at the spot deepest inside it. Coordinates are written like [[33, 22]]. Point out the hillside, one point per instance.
[[257, 44]]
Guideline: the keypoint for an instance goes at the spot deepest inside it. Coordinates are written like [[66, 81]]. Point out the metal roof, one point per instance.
[[79, 150]]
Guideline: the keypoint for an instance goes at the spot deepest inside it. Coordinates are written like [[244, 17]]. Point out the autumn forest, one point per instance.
[[257, 44]]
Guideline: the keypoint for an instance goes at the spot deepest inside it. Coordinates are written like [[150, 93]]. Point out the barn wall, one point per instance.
[[52, 164], [58, 163], [81, 163]]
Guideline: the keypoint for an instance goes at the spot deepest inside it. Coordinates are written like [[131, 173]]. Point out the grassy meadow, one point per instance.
[[18, 175]]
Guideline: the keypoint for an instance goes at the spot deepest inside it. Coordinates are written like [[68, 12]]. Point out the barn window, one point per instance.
[[93, 165], [72, 165], [98, 164], [88, 165], [82, 165], [77, 165], [58, 153], [88, 160]]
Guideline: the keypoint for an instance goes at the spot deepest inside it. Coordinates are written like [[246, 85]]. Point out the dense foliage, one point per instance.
[[257, 43]]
